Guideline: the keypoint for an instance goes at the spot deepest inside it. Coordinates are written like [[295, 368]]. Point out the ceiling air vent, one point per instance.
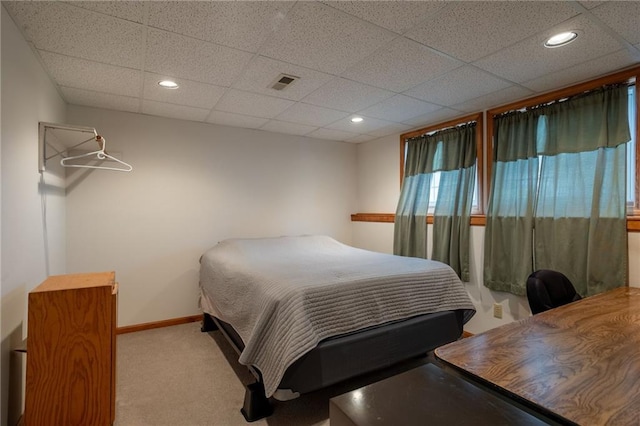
[[283, 81]]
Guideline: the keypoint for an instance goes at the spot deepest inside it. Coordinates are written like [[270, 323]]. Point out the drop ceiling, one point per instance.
[[398, 64]]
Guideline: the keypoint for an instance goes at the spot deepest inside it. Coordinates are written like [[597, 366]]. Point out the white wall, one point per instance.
[[378, 192], [32, 242], [194, 184]]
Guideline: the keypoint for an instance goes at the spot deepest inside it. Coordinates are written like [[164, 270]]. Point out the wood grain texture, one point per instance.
[[114, 340], [373, 217], [633, 222], [158, 324], [70, 358], [76, 281], [581, 361], [476, 220]]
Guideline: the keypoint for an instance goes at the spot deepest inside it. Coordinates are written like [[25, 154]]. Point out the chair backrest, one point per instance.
[[548, 289]]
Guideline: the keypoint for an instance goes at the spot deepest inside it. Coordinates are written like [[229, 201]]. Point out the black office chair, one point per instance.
[[548, 289]]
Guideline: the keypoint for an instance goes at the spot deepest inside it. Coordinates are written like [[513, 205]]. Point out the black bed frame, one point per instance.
[[346, 356]]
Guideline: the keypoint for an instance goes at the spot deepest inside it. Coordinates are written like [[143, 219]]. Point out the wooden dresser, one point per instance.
[[71, 351]]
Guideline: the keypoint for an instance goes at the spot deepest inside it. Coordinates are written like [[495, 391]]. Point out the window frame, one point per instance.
[[478, 118]]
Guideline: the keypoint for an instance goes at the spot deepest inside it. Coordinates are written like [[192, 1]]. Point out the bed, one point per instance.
[[306, 312]]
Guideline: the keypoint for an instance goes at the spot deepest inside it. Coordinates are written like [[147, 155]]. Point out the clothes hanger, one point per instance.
[[101, 155]]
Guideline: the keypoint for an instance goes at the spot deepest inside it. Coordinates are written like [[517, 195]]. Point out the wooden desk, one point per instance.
[[580, 361]]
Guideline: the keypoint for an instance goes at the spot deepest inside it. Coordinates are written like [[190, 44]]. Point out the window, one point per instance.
[[432, 196], [439, 182], [565, 161], [632, 201], [633, 173], [564, 181]]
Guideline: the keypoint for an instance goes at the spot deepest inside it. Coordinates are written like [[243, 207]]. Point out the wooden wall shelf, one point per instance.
[[633, 222]]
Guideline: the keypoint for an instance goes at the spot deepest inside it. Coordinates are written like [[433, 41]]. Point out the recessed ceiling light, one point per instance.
[[168, 84], [561, 39], [356, 119]]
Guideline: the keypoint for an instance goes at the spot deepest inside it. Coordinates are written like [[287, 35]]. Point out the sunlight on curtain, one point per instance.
[[570, 194], [448, 157], [631, 152], [580, 217], [508, 241], [452, 213]]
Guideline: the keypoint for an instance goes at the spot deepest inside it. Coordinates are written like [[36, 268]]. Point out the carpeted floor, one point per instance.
[[180, 376]]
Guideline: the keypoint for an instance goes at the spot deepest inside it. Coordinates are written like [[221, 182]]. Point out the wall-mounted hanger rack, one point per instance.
[[100, 154], [62, 138]]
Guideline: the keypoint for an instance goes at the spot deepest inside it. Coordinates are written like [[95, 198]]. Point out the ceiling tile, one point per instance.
[[319, 37], [582, 72], [252, 104], [180, 56], [100, 100], [241, 25], [69, 30], [399, 108], [236, 120], [494, 99], [347, 95], [289, 128], [361, 138], [190, 93], [311, 115], [129, 10], [434, 117], [262, 72], [174, 111], [334, 135], [457, 86], [390, 129], [470, 30], [589, 4], [84, 74], [397, 16], [390, 61], [623, 17], [591, 44], [368, 126], [419, 64]]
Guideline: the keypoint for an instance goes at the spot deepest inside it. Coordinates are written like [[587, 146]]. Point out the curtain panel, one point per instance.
[[451, 154], [508, 241], [558, 194]]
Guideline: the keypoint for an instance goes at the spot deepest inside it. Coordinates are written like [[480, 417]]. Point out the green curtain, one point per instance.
[[580, 217], [452, 154], [571, 214], [410, 227], [452, 213], [508, 241], [410, 224]]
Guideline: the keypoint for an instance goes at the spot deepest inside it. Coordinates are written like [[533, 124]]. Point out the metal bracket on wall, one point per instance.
[[63, 138], [60, 138]]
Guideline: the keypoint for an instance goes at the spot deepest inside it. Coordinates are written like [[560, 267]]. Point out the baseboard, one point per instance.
[[185, 320], [158, 324]]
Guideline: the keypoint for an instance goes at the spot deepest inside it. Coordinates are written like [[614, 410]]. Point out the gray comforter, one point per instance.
[[284, 295]]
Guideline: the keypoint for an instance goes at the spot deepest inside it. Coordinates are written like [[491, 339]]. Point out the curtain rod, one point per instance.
[[629, 83], [444, 130]]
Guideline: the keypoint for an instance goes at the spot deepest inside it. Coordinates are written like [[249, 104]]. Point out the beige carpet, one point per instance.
[[179, 376]]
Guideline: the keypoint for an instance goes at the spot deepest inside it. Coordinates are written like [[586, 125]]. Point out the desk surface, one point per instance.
[[580, 361]]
